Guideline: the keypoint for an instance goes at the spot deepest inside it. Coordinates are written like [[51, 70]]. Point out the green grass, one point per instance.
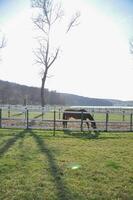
[[34, 165], [112, 117], [32, 114]]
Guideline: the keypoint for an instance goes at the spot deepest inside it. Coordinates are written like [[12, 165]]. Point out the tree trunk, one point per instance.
[[43, 97]]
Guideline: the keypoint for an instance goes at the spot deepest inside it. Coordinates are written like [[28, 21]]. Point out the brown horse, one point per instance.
[[78, 114]]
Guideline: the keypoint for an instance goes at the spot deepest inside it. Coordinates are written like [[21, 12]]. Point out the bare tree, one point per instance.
[[48, 15]]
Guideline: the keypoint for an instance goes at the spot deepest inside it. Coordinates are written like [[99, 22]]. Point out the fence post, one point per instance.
[[92, 113], [25, 113], [82, 121], [131, 121], [54, 122], [9, 112], [0, 118], [107, 120], [123, 116], [27, 119], [59, 113], [42, 113]]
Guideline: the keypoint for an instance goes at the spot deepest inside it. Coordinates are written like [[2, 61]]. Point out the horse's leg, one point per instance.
[[66, 124], [63, 124], [93, 124], [87, 125], [81, 126]]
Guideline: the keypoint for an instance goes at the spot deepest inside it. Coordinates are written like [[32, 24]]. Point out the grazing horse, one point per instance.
[[78, 114]]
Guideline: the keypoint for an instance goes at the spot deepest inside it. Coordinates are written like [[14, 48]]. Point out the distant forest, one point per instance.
[[14, 94]]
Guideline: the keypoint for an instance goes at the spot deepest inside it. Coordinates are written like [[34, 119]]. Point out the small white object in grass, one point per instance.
[[74, 166]]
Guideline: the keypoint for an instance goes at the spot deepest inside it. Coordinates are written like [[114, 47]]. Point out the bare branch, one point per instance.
[[54, 58], [74, 21], [40, 24], [58, 13], [40, 54], [38, 60], [46, 11]]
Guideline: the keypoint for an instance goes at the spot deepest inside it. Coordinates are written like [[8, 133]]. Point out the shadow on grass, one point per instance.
[[97, 135], [62, 190], [83, 135], [10, 142], [115, 136]]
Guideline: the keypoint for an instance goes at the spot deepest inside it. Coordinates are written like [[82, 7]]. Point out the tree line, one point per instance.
[[12, 93], [15, 94]]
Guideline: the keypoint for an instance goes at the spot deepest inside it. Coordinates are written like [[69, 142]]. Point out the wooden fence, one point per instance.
[[51, 119]]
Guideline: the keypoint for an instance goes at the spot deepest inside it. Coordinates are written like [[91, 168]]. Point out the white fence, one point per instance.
[[50, 118]]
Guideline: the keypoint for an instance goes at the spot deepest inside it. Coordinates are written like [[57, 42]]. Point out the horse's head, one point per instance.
[[93, 124]]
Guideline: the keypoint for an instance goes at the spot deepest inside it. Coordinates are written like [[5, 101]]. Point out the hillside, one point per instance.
[[13, 93]]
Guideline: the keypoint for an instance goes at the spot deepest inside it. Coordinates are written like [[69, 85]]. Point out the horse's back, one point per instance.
[[75, 110]]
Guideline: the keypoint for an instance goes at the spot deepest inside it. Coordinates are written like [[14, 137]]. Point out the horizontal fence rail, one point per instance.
[[51, 118]]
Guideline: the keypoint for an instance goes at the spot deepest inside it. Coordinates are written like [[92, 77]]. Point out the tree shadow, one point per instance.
[[63, 191], [10, 142]]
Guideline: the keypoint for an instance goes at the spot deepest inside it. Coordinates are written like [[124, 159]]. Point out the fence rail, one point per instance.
[[51, 119]]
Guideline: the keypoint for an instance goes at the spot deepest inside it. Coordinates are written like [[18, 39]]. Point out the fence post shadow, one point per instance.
[[63, 191]]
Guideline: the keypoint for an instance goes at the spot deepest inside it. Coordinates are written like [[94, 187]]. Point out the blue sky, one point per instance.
[[10, 8], [116, 8], [96, 52], [121, 11]]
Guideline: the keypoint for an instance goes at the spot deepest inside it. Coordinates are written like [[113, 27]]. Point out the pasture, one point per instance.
[[34, 165]]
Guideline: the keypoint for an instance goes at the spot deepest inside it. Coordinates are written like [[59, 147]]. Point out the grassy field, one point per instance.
[[34, 165]]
